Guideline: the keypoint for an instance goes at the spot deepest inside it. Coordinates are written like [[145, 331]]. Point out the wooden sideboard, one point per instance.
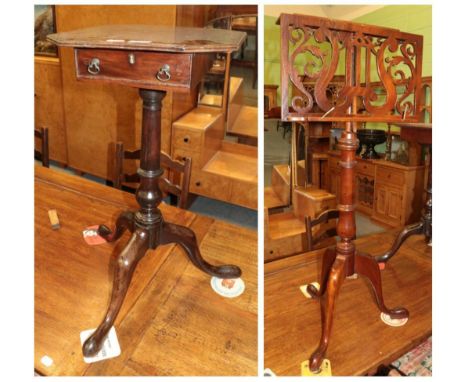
[[389, 192], [48, 105]]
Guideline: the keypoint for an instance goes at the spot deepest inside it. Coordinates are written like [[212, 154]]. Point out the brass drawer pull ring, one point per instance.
[[93, 66], [164, 73]]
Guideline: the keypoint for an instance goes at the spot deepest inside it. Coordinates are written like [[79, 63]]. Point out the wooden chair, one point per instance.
[[321, 235], [176, 184], [43, 134]]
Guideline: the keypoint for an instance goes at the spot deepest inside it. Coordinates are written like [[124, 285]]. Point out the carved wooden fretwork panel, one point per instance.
[[381, 68]]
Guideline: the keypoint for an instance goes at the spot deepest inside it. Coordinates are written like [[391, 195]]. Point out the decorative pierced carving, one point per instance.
[[381, 69]]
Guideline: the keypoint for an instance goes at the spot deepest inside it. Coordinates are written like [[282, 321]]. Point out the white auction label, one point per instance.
[[393, 321], [229, 288], [304, 290], [47, 361], [110, 347]]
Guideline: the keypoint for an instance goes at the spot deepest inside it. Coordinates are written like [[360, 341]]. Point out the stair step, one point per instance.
[[280, 183], [245, 123], [232, 165], [285, 224], [271, 199], [311, 201], [235, 86]]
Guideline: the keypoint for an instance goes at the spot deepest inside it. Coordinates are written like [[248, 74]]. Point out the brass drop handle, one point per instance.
[[93, 66], [164, 74], [186, 139]]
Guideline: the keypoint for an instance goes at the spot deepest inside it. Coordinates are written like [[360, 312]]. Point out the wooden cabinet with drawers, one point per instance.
[[390, 193], [365, 184], [220, 170], [198, 135], [334, 171], [398, 193], [48, 105]]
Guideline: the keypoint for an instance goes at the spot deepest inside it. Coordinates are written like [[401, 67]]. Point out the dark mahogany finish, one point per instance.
[[154, 59], [364, 47], [147, 224], [140, 68]]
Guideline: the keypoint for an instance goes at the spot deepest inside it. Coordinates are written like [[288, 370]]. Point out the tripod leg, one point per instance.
[[124, 267], [327, 305], [124, 221], [328, 258], [185, 237], [367, 266], [413, 229]]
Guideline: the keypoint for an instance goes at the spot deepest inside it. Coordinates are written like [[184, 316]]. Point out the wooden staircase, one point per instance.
[[285, 230], [278, 194], [242, 120], [221, 169]]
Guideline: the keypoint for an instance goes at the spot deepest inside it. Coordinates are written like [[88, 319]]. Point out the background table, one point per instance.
[[361, 341], [166, 319]]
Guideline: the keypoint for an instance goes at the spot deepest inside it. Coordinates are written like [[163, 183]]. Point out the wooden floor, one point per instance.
[[171, 323], [360, 341]]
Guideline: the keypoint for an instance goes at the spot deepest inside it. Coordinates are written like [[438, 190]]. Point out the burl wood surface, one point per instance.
[[170, 312], [152, 38], [360, 340]]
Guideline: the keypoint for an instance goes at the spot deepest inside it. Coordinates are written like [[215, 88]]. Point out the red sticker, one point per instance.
[[91, 236]]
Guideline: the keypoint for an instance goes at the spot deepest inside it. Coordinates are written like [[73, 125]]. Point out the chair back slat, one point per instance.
[[176, 180], [310, 222]]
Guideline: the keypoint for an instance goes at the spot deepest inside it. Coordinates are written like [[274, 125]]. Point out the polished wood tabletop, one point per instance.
[[361, 341], [152, 38], [170, 313]]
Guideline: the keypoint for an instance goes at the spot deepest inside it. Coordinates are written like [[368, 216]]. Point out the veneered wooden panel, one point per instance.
[[48, 105]]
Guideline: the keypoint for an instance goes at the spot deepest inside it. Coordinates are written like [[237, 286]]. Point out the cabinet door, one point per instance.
[[381, 201], [395, 205]]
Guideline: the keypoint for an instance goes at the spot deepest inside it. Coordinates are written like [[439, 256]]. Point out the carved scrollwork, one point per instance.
[[381, 69]]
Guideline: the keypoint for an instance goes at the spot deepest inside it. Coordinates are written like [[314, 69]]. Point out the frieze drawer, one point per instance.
[[136, 68], [365, 168], [389, 175]]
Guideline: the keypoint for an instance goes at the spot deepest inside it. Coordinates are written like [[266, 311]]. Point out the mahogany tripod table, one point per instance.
[[155, 60]]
